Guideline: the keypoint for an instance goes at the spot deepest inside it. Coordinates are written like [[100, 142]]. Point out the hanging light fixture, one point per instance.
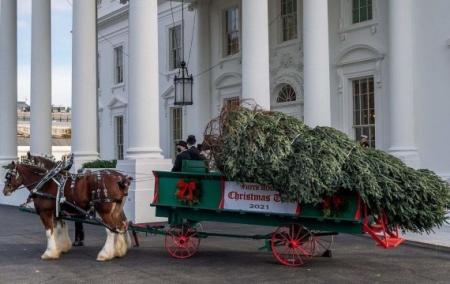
[[183, 82]]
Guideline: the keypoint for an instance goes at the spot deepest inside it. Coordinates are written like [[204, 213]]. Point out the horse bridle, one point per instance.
[[14, 173], [10, 174]]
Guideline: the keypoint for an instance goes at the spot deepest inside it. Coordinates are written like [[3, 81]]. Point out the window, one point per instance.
[[232, 31], [362, 11], [289, 19], [175, 47], [177, 128], [286, 94], [364, 109], [118, 65], [119, 137], [232, 102]]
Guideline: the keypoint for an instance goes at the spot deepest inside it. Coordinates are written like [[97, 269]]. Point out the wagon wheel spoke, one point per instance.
[[182, 241], [323, 245], [292, 245], [299, 257]]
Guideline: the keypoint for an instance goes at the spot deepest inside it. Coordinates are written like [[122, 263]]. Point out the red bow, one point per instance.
[[186, 188]]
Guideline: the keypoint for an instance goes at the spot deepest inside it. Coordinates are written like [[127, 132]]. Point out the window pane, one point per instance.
[[363, 14], [119, 137], [232, 31], [357, 116], [365, 117], [357, 133], [356, 87], [363, 86], [364, 103], [364, 109], [356, 102], [372, 116], [175, 47], [118, 65], [361, 10], [289, 19], [286, 94]]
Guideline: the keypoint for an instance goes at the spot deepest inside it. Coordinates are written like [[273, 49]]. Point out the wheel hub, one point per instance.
[[294, 244]]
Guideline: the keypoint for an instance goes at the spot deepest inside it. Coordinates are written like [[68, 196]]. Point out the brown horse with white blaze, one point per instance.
[[103, 191]]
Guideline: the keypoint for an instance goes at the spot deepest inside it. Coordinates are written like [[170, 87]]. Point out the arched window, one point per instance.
[[286, 94]]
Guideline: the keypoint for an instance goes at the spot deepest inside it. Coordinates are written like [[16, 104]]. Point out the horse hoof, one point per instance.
[[102, 257], [50, 256]]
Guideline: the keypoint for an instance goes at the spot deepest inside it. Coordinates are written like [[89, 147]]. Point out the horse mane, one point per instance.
[[39, 161], [33, 168]]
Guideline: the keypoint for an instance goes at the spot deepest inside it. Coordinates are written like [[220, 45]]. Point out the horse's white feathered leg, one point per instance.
[[65, 243], [121, 244], [108, 250], [52, 251]]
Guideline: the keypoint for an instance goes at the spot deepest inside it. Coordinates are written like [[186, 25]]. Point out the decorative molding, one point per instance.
[[117, 102], [113, 17], [369, 53], [285, 60], [341, 79], [228, 80], [168, 95]]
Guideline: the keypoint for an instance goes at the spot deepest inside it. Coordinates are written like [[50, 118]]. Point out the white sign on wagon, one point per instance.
[[254, 197]]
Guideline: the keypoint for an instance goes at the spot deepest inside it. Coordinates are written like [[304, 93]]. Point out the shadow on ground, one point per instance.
[[355, 259]]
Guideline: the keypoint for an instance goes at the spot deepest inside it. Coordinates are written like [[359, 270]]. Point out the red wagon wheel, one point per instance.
[[292, 245], [182, 241]]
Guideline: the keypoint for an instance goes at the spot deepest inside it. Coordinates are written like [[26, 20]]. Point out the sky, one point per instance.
[[61, 51]]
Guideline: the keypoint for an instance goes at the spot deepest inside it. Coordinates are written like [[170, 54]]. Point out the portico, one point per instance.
[[237, 49]]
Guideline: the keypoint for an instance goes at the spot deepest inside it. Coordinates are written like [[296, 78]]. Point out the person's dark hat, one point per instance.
[[191, 140], [182, 143]]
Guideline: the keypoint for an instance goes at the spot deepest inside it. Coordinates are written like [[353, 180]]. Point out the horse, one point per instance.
[[103, 192]]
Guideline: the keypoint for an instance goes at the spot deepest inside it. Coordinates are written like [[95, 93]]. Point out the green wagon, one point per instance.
[[301, 230]]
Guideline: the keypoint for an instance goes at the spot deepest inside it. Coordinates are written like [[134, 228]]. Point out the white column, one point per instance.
[[8, 81], [144, 153], [8, 95], [201, 110], [401, 82], [84, 88], [41, 84], [255, 52], [143, 81], [316, 63]]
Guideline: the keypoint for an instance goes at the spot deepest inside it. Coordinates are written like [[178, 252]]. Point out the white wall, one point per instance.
[[355, 51], [113, 98]]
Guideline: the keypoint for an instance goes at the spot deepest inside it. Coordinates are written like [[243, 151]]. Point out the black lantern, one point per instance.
[[183, 86], [183, 81]]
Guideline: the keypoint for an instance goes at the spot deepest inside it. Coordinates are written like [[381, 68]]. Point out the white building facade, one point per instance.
[[369, 67], [379, 68]]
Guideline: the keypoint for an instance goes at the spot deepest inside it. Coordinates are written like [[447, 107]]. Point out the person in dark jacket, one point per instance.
[[79, 233], [183, 154], [195, 153]]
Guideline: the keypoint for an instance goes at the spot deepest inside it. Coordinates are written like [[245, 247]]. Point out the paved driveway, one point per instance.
[[220, 260]]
